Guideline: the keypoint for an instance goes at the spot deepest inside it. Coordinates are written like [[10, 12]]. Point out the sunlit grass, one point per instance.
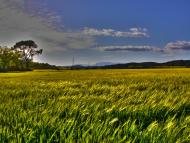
[[95, 106]]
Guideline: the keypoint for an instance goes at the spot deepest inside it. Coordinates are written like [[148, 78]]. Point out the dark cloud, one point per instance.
[[129, 48]]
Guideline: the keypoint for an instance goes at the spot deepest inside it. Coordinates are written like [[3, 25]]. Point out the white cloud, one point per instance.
[[178, 45], [132, 33]]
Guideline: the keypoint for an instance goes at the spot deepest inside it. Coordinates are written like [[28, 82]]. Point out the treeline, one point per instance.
[[19, 57], [35, 65]]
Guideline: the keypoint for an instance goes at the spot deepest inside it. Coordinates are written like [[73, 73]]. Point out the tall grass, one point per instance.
[[134, 106]]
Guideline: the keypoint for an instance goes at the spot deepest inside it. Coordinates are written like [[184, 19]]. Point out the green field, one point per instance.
[[92, 106]]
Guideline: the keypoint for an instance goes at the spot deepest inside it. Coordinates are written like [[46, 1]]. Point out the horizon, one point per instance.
[[105, 63], [95, 31]]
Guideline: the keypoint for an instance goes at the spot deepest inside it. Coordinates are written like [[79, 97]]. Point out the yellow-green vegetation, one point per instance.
[[139, 106]]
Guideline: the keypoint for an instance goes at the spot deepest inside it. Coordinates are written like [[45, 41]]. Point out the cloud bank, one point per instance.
[[132, 33], [18, 24], [170, 47], [179, 45], [129, 48]]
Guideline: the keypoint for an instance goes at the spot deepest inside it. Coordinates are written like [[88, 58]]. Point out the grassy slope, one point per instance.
[[95, 106]]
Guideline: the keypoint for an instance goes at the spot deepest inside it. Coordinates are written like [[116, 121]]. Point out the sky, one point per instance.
[[92, 31]]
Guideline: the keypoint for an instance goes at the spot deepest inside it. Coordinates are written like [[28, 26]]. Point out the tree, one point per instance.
[[5, 56], [9, 59], [28, 49]]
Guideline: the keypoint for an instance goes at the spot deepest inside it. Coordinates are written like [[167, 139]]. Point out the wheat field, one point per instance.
[[92, 106]]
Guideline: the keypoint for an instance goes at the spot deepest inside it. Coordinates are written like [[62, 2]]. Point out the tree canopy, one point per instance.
[[28, 49], [19, 56]]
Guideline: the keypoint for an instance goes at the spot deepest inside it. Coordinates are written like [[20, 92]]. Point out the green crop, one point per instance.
[[92, 106]]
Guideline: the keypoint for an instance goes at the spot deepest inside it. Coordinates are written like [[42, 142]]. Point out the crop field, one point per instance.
[[92, 106]]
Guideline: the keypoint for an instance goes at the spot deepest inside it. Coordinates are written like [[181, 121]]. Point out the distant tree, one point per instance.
[[28, 50]]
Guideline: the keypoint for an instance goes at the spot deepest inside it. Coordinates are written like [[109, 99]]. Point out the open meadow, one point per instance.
[[139, 106]]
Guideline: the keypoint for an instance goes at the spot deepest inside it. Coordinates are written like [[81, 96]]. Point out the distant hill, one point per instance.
[[177, 63], [133, 65], [104, 64]]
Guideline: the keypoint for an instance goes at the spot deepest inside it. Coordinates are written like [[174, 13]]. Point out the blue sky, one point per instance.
[[94, 30]]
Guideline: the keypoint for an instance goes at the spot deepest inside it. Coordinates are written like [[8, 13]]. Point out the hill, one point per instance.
[[177, 63]]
